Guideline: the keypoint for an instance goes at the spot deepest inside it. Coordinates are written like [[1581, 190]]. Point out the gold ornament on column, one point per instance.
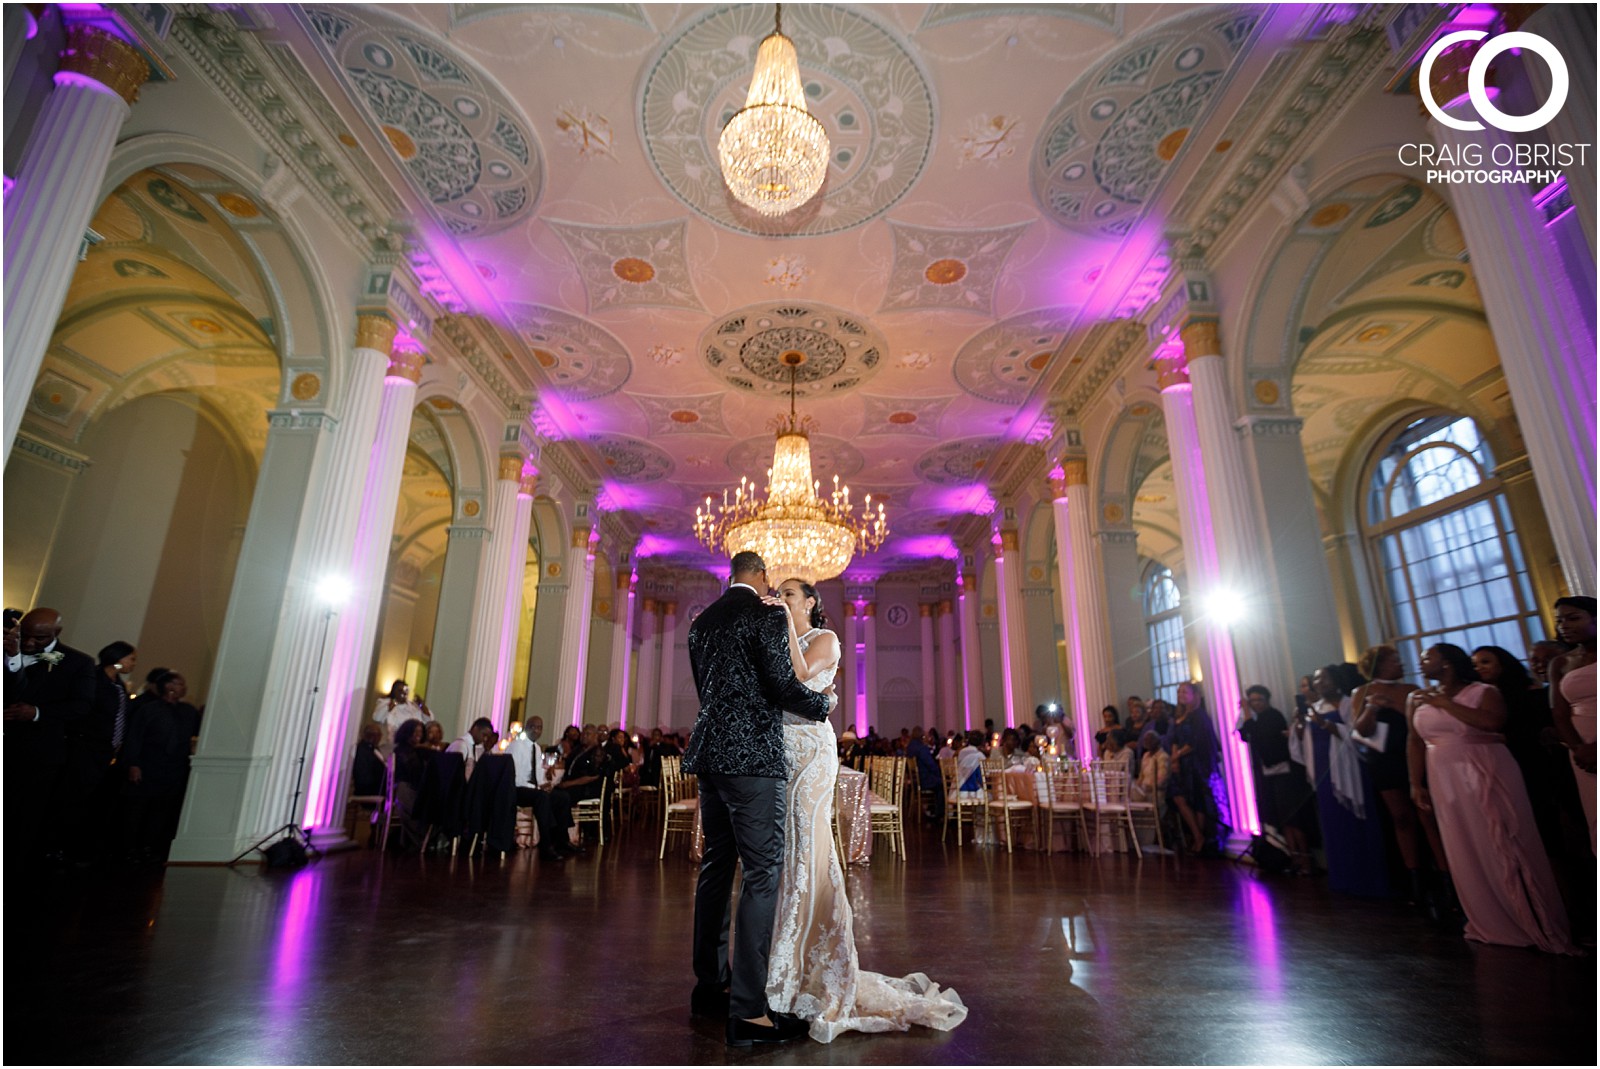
[[580, 538], [1008, 541], [1200, 338], [109, 60], [375, 332], [511, 468], [407, 364], [870, 609], [529, 486], [624, 581], [924, 609], [1171, 368], [946, 607]]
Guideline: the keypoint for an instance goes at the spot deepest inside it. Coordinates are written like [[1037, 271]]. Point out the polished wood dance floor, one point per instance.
[[362, 959]]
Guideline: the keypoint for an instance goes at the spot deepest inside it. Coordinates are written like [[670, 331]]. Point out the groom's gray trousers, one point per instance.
[[742, 818]]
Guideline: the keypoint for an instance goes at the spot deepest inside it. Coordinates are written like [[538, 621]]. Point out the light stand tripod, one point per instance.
[[295, 849]]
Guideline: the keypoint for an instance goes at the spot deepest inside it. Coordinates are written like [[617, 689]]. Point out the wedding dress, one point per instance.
[[813, 971]]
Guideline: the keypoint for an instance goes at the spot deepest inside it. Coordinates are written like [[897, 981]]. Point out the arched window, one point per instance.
[[1163, 621], [1440, 533]]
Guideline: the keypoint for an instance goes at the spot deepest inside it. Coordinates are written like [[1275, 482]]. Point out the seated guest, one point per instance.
[[1010, 749], [969, 764], [585, 769], [1118, 755], [475, 743], [161, 736], [552, 810], [1109, 722], [433, 736], [928, 778], [367, 773]]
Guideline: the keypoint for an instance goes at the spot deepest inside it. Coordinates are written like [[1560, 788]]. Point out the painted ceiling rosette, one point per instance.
[[631, 460], [861, 83], [1118, 128], [956, 463], [840, 349], [917, 416], [1003, 363], [936, 268], [631, 266], [466, 148], [580, 360]]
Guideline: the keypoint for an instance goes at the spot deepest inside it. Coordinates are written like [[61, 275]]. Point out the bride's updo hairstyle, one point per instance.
[[818, 617]]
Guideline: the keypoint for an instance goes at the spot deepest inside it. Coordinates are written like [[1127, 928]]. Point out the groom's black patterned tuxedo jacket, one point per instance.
[[739, 649]]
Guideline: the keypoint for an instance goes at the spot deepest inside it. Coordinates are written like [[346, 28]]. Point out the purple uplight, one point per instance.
[[83, 81], [294, 941], [1006, 638], [627, 662]]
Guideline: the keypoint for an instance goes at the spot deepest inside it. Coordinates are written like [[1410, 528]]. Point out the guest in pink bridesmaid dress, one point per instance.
[[1461, 769], [1572, 695]]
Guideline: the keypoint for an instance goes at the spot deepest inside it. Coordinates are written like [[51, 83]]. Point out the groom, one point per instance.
[[739, 649]]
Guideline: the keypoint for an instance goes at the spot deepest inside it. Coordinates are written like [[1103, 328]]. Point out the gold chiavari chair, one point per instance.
[[959, 807], [1004, 805], [1065, 803], [678, 801], [886, 780], [1110, 803]]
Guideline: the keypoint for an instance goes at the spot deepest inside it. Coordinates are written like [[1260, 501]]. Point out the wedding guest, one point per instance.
[[367, 771], [1572, 696], [394, 709], [1540, 654], [1282, 794], [1193, 745], [552, 810], [929, 782], [475, 743], [584, 769], [410, 765], [49, 695], [969, 763], [1161, 720], [1138, 715], [1380, 729], [1352, 836], [1109, 722], [1155, 767], [433, 736], [160, 740], [1461, 769]]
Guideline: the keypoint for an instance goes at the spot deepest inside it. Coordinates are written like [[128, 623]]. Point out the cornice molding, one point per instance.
[[1115, 342], [39, 449], [463, 335], [239, 68]]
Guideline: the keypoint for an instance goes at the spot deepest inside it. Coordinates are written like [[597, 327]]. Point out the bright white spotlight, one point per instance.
[[1225, 607], [333, 591]]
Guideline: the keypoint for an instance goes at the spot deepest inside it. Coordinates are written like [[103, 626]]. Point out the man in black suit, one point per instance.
[[49, 689], [739, 650]]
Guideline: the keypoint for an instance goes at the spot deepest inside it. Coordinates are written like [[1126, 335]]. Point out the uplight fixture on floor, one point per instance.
[[774, 152]]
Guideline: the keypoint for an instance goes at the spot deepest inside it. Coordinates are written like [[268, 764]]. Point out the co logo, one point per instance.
[[1475, 86]]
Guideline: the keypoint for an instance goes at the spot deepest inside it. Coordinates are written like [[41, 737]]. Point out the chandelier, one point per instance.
[[799, 533], [774, 152]]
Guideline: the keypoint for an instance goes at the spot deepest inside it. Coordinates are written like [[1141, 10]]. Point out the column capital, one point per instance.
[[1009, 541], [649, 605], [580, 538], [869, 609], [1171, 367], [375, 332], [1200, 338], [510, 468], [404, 363], [105, 58], [529, 486], [624, 579], [1069, 471], [946, 607], [925, 609], [669, 608]]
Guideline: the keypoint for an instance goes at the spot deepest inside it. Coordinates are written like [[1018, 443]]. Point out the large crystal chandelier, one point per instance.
[[799, 533], [774, 152]]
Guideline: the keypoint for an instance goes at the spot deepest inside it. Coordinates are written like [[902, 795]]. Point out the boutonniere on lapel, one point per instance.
[[51, 658]]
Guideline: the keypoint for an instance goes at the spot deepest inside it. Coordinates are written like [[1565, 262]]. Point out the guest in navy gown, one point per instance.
[[1352, 831]]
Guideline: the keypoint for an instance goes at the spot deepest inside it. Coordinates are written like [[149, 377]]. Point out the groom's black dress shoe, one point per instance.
[[742, 1033], [708, 1001]]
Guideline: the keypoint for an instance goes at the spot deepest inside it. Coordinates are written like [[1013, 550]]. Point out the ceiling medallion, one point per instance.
[[774, 152], [798, 532]]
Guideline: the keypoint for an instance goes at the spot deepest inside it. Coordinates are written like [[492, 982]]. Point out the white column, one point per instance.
[[56, 192], [971, 654], [868, 712], [486, 686], [852, 707], [574, 666], [649, 658], [1130, 645], [949, 699], [1013, 643], [621, 648], [1546, 351], [1570, 27], [345, 697], [1245, 566], [1083, 603], [669, 661], [930, 707], [1222, 688]]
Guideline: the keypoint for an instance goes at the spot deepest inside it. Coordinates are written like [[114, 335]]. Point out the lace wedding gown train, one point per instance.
[[813, 971]]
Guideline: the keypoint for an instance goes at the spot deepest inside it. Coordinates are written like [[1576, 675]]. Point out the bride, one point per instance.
[[813, 972]]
